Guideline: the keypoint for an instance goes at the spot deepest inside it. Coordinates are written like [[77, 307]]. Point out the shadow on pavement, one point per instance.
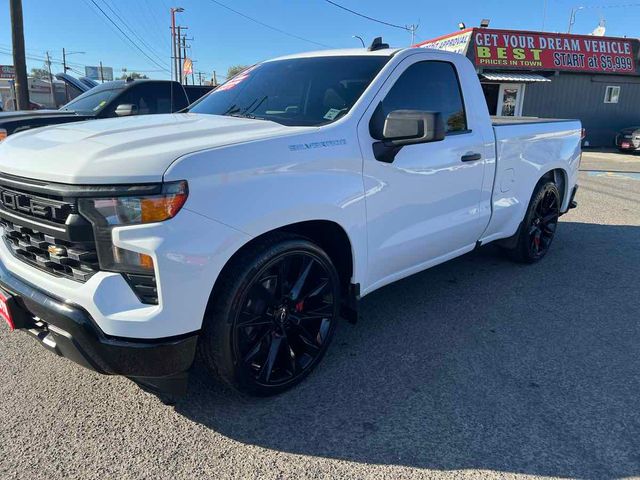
[[478, 363]]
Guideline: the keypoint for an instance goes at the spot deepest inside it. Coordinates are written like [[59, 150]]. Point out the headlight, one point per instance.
[[105, 213]]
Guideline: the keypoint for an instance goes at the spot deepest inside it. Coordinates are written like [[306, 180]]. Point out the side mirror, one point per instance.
[[407, 127], [126, 110]]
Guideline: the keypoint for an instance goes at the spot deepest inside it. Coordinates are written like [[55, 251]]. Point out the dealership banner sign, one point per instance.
[[7, 71], [456, 42], [510, 49]]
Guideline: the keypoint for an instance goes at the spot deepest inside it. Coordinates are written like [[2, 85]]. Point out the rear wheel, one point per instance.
[[539, 225], [273, 317]]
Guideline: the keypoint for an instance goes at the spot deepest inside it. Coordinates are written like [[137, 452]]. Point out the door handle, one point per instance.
[[471, 157]]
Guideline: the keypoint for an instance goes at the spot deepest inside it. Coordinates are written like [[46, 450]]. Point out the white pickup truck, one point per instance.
[[243, 229]]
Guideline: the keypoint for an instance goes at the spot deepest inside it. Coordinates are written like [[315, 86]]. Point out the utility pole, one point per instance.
[[53, 93], [193, 66], [412, 29], [184, 59], [200, 78], [64, 70], [101, 73], [179, 47], [215, 80], [174, 42], [19, 59]]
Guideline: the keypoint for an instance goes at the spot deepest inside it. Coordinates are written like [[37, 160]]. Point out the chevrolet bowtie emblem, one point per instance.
[[56, 250]]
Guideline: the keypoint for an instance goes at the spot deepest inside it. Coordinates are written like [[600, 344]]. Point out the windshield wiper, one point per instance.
[[241, 115], [235, 111], [256, 107]]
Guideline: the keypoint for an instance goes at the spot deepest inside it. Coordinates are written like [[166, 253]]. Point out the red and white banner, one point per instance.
[[520, 50], [187, 67], [7, 71]]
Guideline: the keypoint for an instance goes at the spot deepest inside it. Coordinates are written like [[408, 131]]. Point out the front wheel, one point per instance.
[[539, 225], [273, 316]]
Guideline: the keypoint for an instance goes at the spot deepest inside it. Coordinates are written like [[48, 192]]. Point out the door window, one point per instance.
[[150, 98], [428, 86]]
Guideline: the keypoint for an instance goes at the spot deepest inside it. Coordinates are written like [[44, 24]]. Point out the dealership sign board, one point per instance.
[[519, 50], [456, 42], [7, 72], [99, 73]]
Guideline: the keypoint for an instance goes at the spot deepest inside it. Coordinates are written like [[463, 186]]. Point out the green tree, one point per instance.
[[236, 69], [40, 73], [134, 75]]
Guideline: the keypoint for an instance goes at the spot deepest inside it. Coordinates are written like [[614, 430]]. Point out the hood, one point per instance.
[[124, 150], [20, 114]]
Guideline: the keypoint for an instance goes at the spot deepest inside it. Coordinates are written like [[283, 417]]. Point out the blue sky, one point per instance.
[[223, 38]]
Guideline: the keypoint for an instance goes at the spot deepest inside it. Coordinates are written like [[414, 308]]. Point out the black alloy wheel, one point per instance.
[[286, 319], [275, 317], [544, 222], [539, 226]]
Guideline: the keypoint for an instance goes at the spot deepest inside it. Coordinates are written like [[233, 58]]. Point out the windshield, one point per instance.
[[296, 92], [92, 101]]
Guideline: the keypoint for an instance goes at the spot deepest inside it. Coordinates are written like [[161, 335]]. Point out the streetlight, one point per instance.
[[65, 68], [174, 52], [572, 17], [359, 38], [64, 59]]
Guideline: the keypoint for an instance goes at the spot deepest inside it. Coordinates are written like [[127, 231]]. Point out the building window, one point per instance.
[[612, 94]]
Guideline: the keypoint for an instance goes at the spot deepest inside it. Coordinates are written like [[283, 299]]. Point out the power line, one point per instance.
[[32, 57], [368, 17], [623, 5], [134, 44], [151, 49], [152, 11], [269, 26]]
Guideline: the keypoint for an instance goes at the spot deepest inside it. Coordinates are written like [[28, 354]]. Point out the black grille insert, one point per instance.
[[74, 260], [144, 287]]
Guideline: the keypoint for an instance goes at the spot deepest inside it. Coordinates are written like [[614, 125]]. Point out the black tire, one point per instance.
[[539, 226], [254, 302]]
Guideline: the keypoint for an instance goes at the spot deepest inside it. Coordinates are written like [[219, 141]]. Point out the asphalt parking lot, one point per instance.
[[477, 368]]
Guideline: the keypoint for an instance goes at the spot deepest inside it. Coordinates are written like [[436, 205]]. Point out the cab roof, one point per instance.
[[343, 52]]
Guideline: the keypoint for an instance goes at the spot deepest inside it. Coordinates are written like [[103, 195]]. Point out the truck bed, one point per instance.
[[525, 147], [505, 121]]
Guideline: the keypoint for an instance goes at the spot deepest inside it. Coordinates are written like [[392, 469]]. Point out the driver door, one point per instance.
[[424, 207]]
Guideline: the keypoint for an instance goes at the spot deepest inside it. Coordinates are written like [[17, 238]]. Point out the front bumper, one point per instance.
[[69, 331]]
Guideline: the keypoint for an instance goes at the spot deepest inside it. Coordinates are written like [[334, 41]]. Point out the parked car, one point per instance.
[[246, 227], [112, 99], [195, 92], [628, 139], [9, 106]]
